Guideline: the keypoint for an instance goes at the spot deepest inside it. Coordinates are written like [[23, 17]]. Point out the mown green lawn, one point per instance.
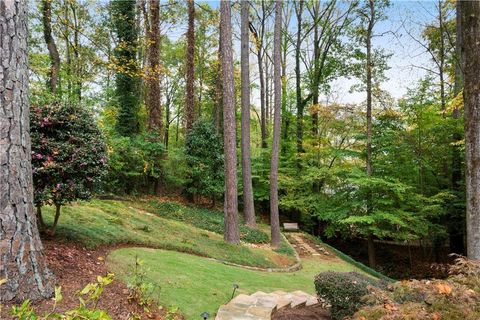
[[195, 284], [109, 222]]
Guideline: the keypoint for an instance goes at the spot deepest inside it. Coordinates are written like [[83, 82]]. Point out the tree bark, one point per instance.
[[457, 228], [248, 205], [471, 98], [22, 260], [298, 88], [231, 234], [41, 223], [153, 75], [190, 76], [277, 78], [51, 46]]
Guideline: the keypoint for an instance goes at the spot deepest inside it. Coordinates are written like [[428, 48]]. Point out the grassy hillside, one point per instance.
[[109, 222], [196, 284]]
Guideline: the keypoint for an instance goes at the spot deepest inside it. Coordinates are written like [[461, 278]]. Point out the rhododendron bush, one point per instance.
[[69, 155]]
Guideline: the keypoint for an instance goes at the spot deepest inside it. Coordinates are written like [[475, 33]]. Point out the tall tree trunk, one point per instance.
[[298, 88], [457, 229], [231, 234], [316, 66], [369, 165], [248, 207], [218, 110], [153, 75], [23, 265], [190, 76], [277, 78], [471, 98], [51, 46]]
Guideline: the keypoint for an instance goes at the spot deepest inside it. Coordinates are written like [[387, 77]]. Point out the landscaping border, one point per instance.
[[297, 266]]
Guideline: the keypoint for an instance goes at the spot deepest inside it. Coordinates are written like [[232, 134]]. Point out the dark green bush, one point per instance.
[[343, 291]]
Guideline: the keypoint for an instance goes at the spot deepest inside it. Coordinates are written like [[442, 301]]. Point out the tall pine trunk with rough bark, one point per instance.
[[248, 205], [232, 234], [471, 99], [154, 108], [190, 62], [23, 264], [277, 83]]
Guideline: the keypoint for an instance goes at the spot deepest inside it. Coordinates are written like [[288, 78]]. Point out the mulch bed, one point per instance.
[[75, 267], [302, 313]]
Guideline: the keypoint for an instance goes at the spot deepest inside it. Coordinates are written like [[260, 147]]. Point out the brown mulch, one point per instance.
[[302, 313], [75, 267]]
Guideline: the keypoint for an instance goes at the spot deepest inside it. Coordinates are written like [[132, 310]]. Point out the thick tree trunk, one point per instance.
[[248, 207], [190, 61], [232, 234], [277, 78], [22, 260], [153, 75], [51, 46], [471, 98], [457, 218]]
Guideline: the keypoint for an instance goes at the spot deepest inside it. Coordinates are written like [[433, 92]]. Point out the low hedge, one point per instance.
[[343, 291]]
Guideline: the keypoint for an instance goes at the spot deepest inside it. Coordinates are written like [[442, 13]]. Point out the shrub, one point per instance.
[[69, 154], [343, 291], [204, 156], [135, 163]]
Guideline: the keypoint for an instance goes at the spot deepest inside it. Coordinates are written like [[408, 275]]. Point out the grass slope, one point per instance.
[[109, 222], [196, 284]]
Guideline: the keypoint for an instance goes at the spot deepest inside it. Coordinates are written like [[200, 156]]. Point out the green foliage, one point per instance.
[[134, 162], [211, 220], [343, 291], [141, 290], [204, 157], [69, 155], [123, 15], [87, 309]]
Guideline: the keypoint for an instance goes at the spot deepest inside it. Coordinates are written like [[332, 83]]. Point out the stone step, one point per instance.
[[261, 305]]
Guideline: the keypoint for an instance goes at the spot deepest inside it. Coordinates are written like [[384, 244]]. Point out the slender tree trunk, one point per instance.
[[58, 209], [41, 223], [232, 234], [316, 65], [23, 264], [218, 112], [267, 96], [263, 122], [298, 88], [167, 123], [371, 245], [248, 207], [190, 77], [471, 98], [153, 75], [277, 78], [51, 46]]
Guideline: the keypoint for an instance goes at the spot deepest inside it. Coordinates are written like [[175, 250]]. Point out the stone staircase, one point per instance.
[[261, 305]]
